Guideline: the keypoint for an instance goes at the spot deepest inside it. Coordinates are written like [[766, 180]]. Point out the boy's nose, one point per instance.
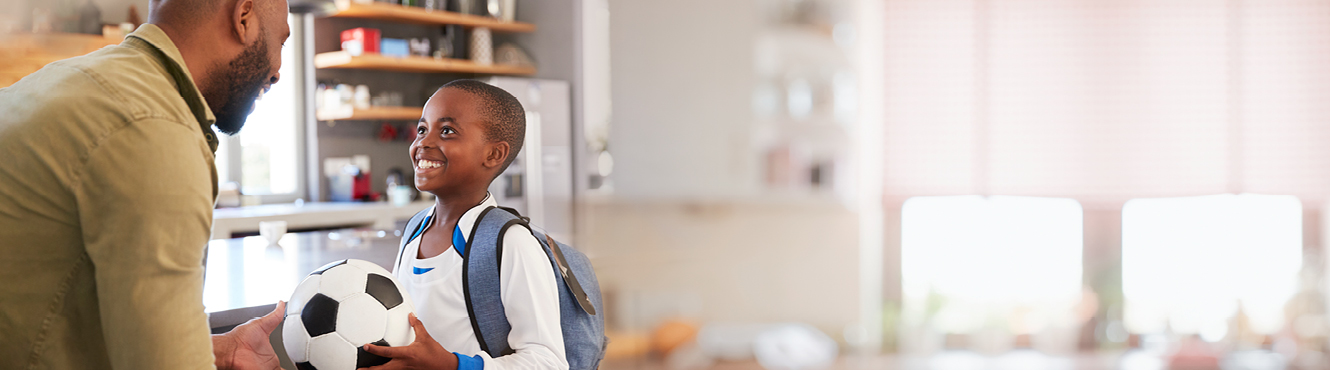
[[427, 142]]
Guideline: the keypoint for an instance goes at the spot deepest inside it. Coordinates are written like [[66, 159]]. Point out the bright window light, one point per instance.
[[268, 157], [1189, 263], [971, 261]]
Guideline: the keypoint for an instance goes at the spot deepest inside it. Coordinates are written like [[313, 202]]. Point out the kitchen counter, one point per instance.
[[248, 272], [313, 215]]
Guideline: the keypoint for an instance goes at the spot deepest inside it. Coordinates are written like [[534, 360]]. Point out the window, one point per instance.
[[264, 156], [1190, 264], [1106, 101], [971, 262]]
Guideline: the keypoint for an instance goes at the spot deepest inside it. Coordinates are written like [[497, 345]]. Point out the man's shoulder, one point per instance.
[[63, 86], [69, 107], [113, 82], [120, 65]]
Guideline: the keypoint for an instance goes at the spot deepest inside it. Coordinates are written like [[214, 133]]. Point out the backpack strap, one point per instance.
[[412, 230], [514, 211], [567, 273], [480, 280]]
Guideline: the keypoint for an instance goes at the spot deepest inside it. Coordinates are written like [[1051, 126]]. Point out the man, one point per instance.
[[107, 185]]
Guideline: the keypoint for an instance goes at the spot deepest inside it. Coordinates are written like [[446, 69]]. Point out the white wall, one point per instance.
[[685, 232], [681, 79], [734, 262]]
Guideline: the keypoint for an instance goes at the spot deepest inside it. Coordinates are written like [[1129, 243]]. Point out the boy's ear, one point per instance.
[[496, 153]]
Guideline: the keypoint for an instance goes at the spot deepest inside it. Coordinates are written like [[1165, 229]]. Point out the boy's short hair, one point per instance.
[[503, 114]]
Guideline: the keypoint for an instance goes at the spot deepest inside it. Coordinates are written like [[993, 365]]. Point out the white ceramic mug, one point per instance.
[[272, 230]]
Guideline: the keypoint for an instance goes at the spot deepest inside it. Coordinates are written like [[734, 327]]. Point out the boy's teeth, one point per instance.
[[426, 164]]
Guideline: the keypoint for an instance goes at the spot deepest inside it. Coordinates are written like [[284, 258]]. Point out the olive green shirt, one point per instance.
[[107, 186]]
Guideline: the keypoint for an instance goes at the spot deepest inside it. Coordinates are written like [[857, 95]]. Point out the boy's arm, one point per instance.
[[531, 301]]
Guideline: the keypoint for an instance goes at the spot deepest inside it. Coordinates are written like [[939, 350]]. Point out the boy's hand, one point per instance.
[[423, 354]]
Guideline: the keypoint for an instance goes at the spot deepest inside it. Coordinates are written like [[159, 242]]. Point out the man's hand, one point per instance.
[[246, 347], [423, 354]]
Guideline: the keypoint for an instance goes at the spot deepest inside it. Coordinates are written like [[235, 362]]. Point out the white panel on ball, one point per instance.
[[332, 353], [295, 339], [398, 332], [342, 281], [368, 266], [361, 319]]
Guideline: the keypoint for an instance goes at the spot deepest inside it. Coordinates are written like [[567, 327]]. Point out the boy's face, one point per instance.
[[450, 154]]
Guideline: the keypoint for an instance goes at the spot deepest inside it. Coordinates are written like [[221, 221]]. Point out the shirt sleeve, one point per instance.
[[531, 301], [145, 205]]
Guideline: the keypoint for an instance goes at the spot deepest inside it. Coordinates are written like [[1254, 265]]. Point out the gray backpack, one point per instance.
[[579, 293]]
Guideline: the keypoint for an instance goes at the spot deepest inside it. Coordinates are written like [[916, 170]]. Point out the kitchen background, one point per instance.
[[803, 184]]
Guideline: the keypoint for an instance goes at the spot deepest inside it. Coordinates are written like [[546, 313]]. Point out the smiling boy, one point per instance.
[[469, 133]]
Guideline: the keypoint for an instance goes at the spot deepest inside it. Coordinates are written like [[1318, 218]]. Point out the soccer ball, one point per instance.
[[338, 309]]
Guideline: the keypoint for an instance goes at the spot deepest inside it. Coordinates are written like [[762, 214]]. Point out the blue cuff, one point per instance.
[[469, 362]]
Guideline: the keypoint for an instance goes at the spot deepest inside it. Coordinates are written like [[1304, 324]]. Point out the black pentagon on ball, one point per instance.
[[382, 288], [305, 366], [366, 359], [319, 315], [320, 270]]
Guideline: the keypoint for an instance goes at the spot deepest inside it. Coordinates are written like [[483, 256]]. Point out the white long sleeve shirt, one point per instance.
[[527, 289]]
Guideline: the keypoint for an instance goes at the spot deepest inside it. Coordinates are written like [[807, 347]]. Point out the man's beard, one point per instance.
[[237, 85]]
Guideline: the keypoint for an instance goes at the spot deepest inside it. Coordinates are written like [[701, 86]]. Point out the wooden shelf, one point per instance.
[[410, 14], [344, 60], [24, 53], [373, 114]]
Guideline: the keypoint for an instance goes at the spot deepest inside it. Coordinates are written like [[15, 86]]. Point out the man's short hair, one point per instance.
[[200, 11], [505, 120]]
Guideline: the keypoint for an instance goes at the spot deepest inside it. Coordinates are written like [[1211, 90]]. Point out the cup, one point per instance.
[[272, 230], [400, 195]]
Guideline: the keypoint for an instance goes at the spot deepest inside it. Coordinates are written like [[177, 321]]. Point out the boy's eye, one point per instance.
[[448, 131], [420, 130]]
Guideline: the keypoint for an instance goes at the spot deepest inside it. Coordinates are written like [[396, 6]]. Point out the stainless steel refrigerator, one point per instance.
[[539, 183]]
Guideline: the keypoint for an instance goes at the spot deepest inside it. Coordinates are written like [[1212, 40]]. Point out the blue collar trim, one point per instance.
[[459, 242]]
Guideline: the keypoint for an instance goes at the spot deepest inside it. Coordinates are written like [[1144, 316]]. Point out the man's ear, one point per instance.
[[496, 154], [245, 22]]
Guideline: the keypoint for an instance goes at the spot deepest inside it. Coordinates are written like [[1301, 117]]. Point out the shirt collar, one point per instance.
[[471, 216], [149, 37]]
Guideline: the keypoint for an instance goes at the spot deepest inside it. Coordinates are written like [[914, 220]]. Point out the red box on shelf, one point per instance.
[[360, 40]]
